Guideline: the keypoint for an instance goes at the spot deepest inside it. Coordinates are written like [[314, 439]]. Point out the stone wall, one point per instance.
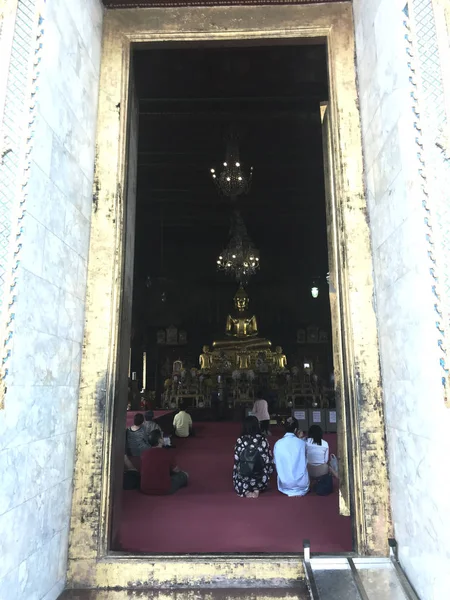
[[37, 426], [417, 422]]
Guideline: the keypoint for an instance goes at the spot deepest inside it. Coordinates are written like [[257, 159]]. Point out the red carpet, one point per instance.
[[208, 517]]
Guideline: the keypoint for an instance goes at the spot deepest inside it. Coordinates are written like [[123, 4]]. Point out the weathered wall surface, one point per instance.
[[37, 427], [417, 422]]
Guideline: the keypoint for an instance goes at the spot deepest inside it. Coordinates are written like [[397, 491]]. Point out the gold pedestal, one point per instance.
[[241, 353]]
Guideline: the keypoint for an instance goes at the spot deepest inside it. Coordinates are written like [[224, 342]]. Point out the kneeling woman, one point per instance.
[[317, 452], [253, 462]]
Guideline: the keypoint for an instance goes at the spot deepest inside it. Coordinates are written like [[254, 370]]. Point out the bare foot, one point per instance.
[[252, 494]]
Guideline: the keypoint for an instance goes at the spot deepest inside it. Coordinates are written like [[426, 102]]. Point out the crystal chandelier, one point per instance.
[[232, 182], [240, 258]]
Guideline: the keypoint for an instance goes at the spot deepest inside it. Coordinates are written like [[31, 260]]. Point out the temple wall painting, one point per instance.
[[417, 419], [46, 309]]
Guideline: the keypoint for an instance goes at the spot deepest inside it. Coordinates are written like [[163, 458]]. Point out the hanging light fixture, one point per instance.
[[231, 181], [315, 288], [240, 258]]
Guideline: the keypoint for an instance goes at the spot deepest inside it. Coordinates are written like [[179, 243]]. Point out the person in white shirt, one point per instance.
[[182, 423], [290, 460], [317, 452], [261, 412]]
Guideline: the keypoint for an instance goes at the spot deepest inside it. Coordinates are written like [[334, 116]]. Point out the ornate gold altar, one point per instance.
[[239, 363], [242, 349]]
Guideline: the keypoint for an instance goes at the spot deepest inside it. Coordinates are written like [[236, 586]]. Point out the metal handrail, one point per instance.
[[407, 587], [393, 556], [310, 579], [357, 579]]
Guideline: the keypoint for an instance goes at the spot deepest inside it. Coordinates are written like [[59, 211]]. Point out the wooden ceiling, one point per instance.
[[175, 3], [188, 98]]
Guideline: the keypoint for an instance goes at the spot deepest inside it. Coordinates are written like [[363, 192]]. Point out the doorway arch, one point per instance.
[[364, 482]]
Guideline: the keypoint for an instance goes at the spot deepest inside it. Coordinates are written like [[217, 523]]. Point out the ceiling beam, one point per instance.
[[222, 220], [230, 116], [311, 90], [193, 192], [295, 164], [266, 153], [305, 107]]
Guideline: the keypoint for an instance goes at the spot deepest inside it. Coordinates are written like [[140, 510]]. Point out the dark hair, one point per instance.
[[315, 433], [291, 425], [154, 437], [250, 426], [182, 405], [138, 419], [149, 414], [259, 395]]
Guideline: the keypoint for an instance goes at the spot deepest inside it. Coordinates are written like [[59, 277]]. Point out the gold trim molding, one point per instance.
[[101, 411], [116, 4]]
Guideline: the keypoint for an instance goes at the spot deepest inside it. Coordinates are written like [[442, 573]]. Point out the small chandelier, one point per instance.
[[240, 258], [232, 182], [315, 286]]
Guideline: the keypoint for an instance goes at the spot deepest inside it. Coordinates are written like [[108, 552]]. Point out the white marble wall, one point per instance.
[[37, 427], [417, 422]]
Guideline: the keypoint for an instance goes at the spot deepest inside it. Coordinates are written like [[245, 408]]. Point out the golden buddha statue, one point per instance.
[[241, 324], [242, 348], [242, 335], [279, 358], [205, 359]]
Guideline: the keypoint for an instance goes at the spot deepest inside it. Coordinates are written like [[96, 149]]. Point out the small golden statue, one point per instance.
[[205, 359], [279, 358], [241, 324], [243, 360]]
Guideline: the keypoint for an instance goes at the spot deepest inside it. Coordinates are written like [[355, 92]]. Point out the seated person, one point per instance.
[[317, 452], [290, 460], [182, 423], [253, 464], [160, 474], [136, 437], [261, 412], [149, 423]]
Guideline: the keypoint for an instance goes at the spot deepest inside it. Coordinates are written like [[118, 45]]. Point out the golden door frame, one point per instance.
[[102, 401]]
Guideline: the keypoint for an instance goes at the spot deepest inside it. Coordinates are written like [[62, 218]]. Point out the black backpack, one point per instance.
[[251, 463], [324, 485]]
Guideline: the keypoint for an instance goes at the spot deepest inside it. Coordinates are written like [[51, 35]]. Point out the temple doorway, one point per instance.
[[95, 555], [231, 287]]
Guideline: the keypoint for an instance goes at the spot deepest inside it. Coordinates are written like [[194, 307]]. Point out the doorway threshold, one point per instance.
[[300, 592]]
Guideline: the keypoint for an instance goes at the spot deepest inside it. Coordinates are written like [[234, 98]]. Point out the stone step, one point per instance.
[[299, 592]]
